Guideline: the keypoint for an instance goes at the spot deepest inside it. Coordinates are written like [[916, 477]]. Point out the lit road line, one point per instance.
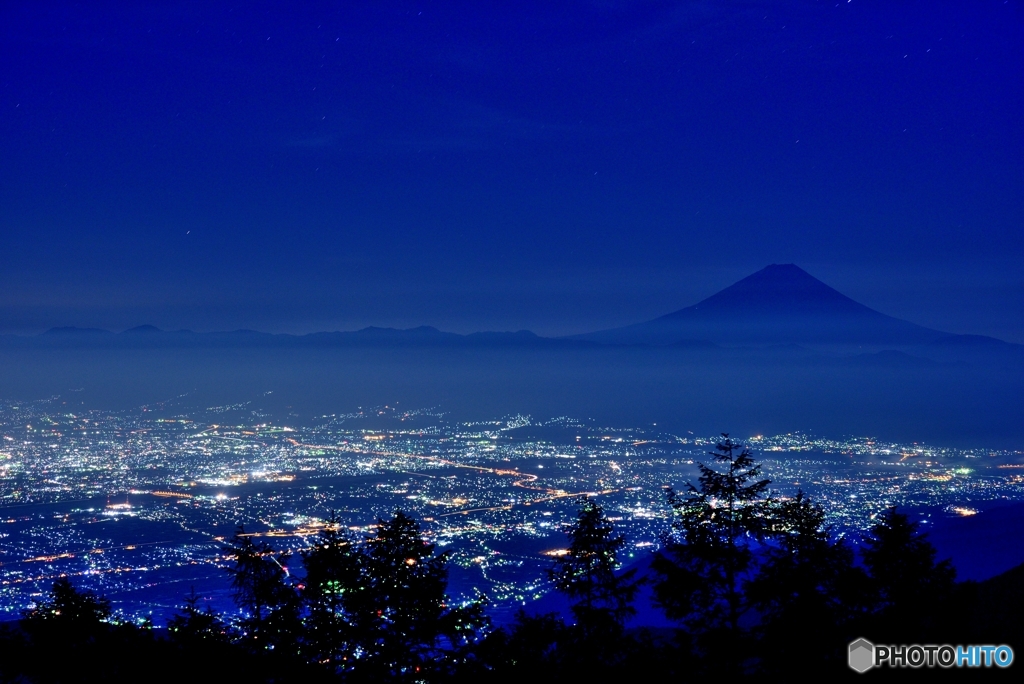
[[467, 511], [73, 554], [524, 482], [525, 477], [48, 503], [508, 507]]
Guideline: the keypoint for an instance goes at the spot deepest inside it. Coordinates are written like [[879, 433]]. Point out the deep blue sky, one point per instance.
[[559, 166]]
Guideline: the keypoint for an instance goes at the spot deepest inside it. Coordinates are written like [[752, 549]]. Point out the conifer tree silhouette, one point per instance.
[[262, 588], [194, 625], [403, 624], [602, 599], [70, 608], [707, 557], [335, 570], [378, 609], [910, 587], [807, 591]]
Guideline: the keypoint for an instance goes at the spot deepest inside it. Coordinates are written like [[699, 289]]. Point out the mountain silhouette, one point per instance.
[[780, 304]]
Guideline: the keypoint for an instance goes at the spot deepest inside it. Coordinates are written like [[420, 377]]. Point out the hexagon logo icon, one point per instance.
[[861, 655]]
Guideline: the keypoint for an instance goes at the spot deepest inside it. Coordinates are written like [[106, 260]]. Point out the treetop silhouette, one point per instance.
[[707, 556], [263, 588], [69, 606], [587, 575]]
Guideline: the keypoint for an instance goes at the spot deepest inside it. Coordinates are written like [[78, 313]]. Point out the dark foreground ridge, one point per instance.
[[753, 583]]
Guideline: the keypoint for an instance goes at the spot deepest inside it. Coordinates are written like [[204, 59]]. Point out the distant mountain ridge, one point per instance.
[[780, 304], [151, 337]]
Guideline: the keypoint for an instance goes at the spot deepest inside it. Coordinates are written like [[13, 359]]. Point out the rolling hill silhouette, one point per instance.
[[780, 304]]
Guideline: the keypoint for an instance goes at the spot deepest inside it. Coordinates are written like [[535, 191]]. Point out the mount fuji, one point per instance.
[[780, 304]]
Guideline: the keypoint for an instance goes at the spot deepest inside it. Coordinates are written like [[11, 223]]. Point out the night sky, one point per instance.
[[561, 167]]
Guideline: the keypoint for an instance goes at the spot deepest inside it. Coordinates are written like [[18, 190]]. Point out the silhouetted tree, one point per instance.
[[602, 599], [334, 577], [533, 646], [401, 624], [195, 625], [262, 588], [910, 587], [807, 591], [71, 636], [70, 608], [707, 557]]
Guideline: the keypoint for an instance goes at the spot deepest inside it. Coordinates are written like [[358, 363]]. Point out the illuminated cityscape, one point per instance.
[[441, 342], [138, 504]]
